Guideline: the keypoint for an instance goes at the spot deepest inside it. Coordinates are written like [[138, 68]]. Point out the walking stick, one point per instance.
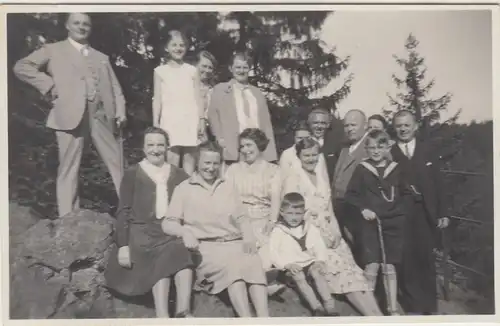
[[384, 265], [121, 159]]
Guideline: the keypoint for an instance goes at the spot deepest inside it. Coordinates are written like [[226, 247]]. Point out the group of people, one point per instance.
[[213, 207]]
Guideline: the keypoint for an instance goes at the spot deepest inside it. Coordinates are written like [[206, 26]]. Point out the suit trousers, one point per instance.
[[71, 144], [417, 272]]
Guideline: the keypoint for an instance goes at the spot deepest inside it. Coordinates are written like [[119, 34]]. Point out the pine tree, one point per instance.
[[291, 63], [413, 90]]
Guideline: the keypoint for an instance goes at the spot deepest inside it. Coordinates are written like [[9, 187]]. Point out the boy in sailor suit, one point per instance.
[[377, 189], [297, 247]]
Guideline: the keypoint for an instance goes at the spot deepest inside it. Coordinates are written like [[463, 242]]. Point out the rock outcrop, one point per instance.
[[56, 271], [57, 266]]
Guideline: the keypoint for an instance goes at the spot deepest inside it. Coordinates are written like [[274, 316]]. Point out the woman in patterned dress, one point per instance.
[[344, 276], [258, 184]]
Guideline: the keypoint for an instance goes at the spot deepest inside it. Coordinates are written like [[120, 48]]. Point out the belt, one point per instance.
[[227, 238]]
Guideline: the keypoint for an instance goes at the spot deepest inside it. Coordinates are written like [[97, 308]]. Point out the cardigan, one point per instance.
[[138, 200]]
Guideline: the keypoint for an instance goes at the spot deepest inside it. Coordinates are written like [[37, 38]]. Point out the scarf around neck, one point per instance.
[[160, 175]]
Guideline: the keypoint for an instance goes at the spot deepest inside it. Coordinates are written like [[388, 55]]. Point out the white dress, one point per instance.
[[180, 113]]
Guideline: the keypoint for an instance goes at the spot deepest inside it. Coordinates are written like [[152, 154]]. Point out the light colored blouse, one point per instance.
[[256, 185], [208, 211]]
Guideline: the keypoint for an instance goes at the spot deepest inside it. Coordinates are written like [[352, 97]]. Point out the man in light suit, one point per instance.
[[355, 127], [86, 98]]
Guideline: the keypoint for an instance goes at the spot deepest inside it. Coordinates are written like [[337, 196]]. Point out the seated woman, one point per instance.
[[207, 214], [146, 258], [343, 275], [289, 159], [258, 184]]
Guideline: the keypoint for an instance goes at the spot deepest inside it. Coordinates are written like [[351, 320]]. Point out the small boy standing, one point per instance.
[[297, 247], [377, 189]]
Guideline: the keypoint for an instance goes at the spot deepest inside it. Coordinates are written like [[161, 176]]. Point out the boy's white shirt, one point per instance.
[[285, 250]]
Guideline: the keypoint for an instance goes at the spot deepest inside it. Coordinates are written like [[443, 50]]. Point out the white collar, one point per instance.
[[387, 170], [77, 45], [354, 146], [411, 146], [321, 141]]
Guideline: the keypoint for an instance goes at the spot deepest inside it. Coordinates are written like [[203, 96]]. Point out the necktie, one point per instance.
[[407, 151], [246, 104]]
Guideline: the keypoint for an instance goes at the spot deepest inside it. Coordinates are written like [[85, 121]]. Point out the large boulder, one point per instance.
[[21, 218], [75, 241], [57, 272]]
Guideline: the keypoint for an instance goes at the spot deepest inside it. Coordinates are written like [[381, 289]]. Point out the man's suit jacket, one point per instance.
[[223, 120], [58, 66], [332, 146], [346, 164], [423, 170]]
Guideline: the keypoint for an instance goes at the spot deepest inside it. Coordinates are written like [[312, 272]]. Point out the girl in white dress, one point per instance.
[[177, 106]]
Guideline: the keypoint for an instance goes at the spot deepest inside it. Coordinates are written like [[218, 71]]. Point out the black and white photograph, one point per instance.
[[224, 161]]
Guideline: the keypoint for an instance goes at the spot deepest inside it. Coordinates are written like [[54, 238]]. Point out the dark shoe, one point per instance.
[[333, 314], [319, 312], [330, 308], [183, 314]]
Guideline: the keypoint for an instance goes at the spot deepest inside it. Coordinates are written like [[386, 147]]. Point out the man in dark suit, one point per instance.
[[425, 215], [86, 98], [355, 127], [320, 125]]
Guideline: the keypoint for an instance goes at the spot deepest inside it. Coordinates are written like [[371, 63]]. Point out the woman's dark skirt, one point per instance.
[[154, 256]]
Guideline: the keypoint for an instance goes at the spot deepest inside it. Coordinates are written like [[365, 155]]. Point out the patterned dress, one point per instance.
[[256, 185], [343, 275]]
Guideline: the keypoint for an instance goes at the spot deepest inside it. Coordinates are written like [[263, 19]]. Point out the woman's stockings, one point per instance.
[[258, 294], [183, 287], [239, 298], [160, 297]]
